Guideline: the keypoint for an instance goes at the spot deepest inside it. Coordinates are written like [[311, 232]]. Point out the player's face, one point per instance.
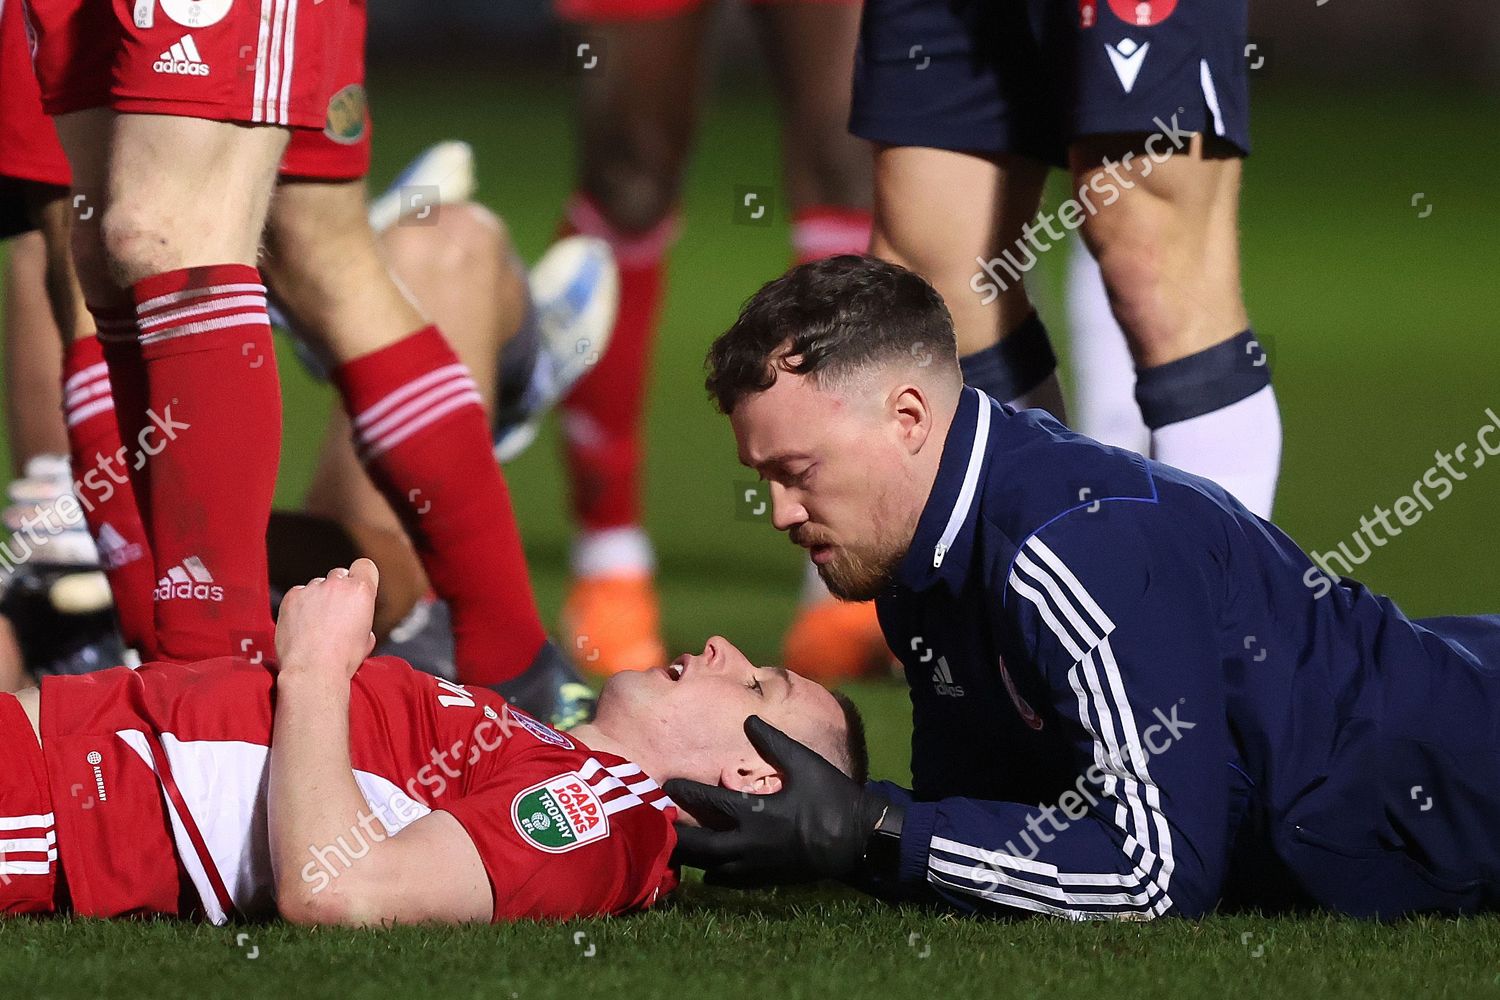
[[687, 720], [839, 479]]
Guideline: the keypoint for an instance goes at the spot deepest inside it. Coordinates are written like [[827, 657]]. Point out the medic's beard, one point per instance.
[[854, 573]]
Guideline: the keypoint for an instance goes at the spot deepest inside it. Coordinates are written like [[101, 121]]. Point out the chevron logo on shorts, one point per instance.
[[182, 59]]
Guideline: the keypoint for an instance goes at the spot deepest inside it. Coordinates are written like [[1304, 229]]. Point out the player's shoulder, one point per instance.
[[614, 784], [561, 799]]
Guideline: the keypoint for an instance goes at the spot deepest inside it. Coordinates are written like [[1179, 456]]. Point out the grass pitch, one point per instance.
[[790, 944], [1381, 328]]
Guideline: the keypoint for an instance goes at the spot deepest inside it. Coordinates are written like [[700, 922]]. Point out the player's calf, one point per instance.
[[1168, 250], [1167, 244]]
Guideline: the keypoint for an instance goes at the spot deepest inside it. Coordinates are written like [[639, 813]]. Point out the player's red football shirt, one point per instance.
[[159, 776]]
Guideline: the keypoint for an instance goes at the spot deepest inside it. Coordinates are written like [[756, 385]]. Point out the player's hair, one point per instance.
[[855, 747], [829, 319]]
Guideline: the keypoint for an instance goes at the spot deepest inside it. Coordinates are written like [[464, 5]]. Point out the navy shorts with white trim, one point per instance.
[[1030, 76]]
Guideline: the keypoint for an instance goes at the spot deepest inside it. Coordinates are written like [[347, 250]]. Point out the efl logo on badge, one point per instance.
[[544, 733], [196, 13], [1143, 13], [560, 814], [346, 115]]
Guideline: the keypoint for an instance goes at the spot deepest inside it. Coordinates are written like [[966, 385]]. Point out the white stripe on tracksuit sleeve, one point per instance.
[[1120, 623]]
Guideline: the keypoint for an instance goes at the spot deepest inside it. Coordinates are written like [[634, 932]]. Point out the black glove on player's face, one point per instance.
[[816, 827]]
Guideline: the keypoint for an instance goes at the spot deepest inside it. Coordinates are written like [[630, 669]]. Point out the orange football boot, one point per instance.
[[613, 623], [833, 640]]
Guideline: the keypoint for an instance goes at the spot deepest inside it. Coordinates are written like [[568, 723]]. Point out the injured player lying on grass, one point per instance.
[[386, 794]]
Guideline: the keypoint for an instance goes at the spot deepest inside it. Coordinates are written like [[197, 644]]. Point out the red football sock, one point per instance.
[[101, 478], [420, 429], [210, 434], [119, 343], [827, 231], [603, 415]]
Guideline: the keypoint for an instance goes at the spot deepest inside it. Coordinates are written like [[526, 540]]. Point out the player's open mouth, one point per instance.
[[821, 553], [675, 669]]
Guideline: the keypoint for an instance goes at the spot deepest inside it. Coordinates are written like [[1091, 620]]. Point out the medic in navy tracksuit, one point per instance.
[[1128, 700]]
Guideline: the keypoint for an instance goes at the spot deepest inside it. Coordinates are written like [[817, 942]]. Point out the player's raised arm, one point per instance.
[[432, 871]]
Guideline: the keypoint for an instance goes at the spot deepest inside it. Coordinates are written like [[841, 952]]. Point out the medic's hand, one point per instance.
[[816, 827]]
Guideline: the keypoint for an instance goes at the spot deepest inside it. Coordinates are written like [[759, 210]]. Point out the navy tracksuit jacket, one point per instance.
[[1132, 697]]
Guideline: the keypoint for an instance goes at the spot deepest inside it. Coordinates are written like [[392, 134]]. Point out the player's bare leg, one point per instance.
[[56, 371], [638, 113], [827, 171], [418, 418], [166, 261], [33, 356], [13, 675], [33, 391], [33, 351], [827, 174], [939, 213], [460, 264], [170, 193], [1169, 252]]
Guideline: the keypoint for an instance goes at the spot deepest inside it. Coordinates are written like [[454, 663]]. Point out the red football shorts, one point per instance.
[[251, 61], [28, 837], [601, 11], [29, 149], [338, 150]]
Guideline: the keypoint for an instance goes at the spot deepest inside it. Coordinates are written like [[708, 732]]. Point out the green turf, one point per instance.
[[1382, 330], [793, 944]]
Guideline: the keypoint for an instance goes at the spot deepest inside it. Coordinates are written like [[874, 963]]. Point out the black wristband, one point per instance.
[[883, 847]]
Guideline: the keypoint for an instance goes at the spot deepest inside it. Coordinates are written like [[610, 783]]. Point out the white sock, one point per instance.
[[1104, 406], [613, 552], [1237, 446]]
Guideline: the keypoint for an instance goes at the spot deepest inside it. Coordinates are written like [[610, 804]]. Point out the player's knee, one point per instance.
[[455, 239], [635, 190], [132, 243], [633, 202]]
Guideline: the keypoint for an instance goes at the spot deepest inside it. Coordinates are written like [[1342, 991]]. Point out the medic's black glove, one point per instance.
[[818, 826]]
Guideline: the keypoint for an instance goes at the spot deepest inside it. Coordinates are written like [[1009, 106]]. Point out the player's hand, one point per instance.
[[816, 827], [325, 625]]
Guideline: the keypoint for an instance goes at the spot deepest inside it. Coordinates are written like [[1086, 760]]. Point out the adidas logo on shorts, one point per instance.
[[182, 59], [189, 580]]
